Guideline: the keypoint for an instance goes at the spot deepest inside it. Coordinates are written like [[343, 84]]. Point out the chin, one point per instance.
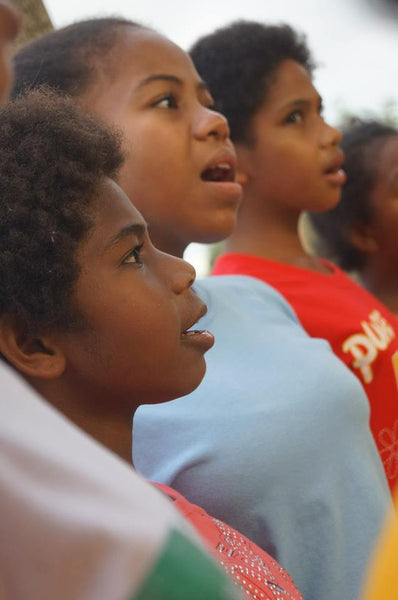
[[218, 232], [191, 384], [192, 380], [328, 202]]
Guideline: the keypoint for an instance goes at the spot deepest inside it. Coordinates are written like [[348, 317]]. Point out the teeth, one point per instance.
[[225, 166]]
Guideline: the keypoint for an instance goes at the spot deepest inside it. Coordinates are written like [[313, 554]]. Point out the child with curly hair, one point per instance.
[[92, 315], [292, 161]]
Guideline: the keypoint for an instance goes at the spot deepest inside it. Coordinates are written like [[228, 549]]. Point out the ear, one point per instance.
[[33, 356], [364, 239]]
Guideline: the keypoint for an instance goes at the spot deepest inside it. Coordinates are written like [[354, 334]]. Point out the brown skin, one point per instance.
[[9, 27], [286, 168], [172, 135], [137, 303], [379, 239]]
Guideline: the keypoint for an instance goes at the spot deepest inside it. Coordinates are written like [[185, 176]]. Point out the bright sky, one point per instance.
[[355, 46]]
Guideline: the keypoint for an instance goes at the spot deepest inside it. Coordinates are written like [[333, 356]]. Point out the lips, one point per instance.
[[220, 169], [333, 170], [199, 339], [196, 317]]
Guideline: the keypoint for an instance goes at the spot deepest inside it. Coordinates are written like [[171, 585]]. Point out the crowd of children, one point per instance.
[[288, 439]]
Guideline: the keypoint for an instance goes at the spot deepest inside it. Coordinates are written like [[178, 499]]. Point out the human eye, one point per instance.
[[133, 256], [210, 105], [296, 116], [208, 101], [168, 101]]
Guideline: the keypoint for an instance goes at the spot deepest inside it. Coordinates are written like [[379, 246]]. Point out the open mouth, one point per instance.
[[333, 170], [200, 338], [222, 172]]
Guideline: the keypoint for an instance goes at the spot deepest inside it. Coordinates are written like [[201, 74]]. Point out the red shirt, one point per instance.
[[360, 329], [259, 575]]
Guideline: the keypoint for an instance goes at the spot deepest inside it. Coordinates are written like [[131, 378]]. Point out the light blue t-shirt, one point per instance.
[[275, 441]]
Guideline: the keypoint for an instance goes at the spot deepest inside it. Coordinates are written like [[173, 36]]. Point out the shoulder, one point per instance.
[[234, 294]]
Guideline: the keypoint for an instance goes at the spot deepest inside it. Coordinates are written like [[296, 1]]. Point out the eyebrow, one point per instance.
[[301, 102], [170, 78], [137, 229]]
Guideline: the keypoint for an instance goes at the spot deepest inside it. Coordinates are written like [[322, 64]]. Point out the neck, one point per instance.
[[110, 429], [380, 278], [271, 235]]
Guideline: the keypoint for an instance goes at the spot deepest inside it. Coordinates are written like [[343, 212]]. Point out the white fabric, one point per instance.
[[76, 522]]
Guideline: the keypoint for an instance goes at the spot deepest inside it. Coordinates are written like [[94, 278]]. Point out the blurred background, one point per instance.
[[355, 44]]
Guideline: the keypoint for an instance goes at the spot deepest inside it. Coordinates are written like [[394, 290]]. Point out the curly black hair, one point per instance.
[[70, 58], [52, 160], [238, 63], [362, 143]]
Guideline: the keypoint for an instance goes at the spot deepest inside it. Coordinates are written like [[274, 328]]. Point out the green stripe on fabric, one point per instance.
[[184, 572]]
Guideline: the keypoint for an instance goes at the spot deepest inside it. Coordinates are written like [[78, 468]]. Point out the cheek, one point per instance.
[[386, 226]]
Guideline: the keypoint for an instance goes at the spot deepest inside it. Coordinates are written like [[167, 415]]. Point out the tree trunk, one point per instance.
[[35, 20]]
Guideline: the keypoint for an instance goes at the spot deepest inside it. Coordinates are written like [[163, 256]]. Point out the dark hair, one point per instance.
[[52, 161], [68, 59], [362, 143], [238, 63]]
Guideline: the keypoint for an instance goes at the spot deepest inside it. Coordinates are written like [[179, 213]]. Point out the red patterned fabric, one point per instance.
[[259, 575]]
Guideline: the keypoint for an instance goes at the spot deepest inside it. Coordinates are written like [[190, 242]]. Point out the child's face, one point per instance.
[[138, 304], [384, 201], [181, 165], [294, 161]]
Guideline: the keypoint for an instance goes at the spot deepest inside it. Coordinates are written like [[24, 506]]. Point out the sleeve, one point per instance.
[[79, 523]]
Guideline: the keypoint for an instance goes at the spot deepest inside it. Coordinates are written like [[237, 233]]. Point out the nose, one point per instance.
[[181, 274], [209, 123], [330, 136]]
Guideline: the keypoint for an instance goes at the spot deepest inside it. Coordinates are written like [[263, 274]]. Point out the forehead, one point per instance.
[[291, 81], [139, 53], [113, 211]]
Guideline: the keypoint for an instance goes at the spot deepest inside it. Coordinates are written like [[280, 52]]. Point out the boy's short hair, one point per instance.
[[238, 64], [52, 160], [362, 142], [67, 59]]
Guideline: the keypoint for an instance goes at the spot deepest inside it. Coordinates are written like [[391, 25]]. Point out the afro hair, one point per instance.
[[238, 63], [52, 160]]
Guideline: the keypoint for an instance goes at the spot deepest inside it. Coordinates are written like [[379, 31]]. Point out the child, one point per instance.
[[360, 233], [91, 541], [147, 86], [293, 163], [279, 426], [264, 364], [92, 315]]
